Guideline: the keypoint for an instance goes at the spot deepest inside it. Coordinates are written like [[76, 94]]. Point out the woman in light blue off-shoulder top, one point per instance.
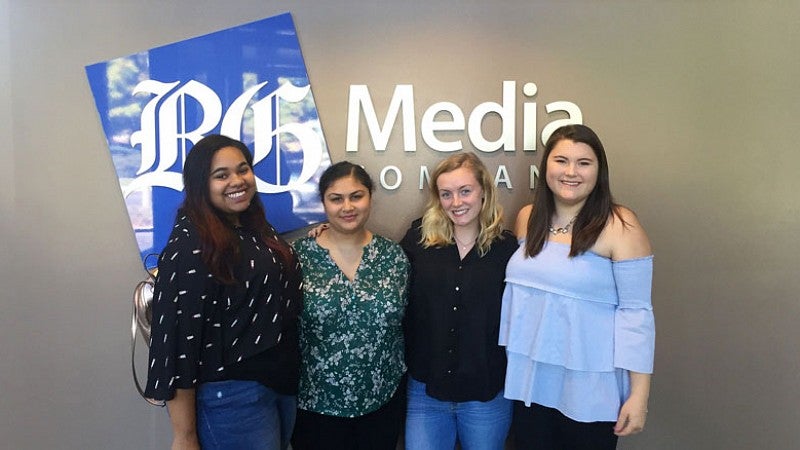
[[577, 320]]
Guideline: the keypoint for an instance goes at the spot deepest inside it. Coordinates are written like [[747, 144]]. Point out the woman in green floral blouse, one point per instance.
[[351, 336]]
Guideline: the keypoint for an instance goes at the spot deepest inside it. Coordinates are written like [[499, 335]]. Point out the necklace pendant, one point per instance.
[[561, 230], [464, 247]]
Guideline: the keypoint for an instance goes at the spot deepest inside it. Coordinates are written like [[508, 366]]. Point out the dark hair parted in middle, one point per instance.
[[595, 212], [344, 169]]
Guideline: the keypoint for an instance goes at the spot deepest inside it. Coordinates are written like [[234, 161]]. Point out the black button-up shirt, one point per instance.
[[453, 318]]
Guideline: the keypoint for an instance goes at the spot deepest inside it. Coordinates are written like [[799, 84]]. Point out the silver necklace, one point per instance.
[[463, 245], [561, 230]]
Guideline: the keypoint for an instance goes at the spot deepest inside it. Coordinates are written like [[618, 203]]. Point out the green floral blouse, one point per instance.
[[351, 336]]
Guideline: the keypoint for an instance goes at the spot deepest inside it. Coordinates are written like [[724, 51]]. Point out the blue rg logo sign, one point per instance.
[[247, 82]]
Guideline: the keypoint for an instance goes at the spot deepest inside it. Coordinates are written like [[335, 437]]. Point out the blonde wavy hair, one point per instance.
[[437, 228]]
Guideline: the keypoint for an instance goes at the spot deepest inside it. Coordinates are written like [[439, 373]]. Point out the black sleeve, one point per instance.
[[176, 330], [411, 239]]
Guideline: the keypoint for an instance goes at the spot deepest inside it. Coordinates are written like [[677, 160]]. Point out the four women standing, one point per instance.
[[576, 318]]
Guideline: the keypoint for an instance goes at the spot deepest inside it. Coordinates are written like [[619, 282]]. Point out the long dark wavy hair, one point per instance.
[[219, 243], [595, 212]]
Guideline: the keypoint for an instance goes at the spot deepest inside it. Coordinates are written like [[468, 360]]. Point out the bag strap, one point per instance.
[[141, 319]]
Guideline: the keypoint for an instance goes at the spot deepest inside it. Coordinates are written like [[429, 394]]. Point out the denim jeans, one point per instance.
[[237, 414], [436, 425]]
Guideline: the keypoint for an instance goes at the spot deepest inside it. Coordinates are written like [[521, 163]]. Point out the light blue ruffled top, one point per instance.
[[574, 327]]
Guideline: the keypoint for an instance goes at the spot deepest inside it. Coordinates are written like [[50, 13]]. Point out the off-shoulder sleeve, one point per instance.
[[177, 317], [634, 324]]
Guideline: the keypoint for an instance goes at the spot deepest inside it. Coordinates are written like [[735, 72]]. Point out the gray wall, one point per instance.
[[695, 101]]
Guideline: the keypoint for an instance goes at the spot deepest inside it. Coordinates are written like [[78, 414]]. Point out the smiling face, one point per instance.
[[231, 183], [347, 204], [572, 169], [460, 196]]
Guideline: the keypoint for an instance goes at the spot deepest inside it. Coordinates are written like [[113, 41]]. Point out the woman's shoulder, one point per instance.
[[525, 211], [303, 241], [306, 246], [508, 238], [416, 226], [383, 241], [413, 234], [183, 248], [184, 223], [521, 224], [504, 245], [623, 220], [184, 232], [623, 236], [385, 245]]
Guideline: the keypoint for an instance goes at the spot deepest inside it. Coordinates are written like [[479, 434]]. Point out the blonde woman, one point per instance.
[[458, 252]]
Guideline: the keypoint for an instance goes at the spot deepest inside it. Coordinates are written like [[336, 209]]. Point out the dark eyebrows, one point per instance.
[[557, 156], [224, 169], [339, 194]]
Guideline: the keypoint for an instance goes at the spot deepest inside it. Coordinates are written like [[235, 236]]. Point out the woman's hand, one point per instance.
[[633, 413], [632, 418], [317, 230]]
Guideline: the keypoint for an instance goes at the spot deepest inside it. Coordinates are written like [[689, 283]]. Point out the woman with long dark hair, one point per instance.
[[224, 348], [577, 319]]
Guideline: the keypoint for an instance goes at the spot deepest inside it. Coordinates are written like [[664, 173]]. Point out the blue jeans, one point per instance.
[[236, 414], [436, 425]]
